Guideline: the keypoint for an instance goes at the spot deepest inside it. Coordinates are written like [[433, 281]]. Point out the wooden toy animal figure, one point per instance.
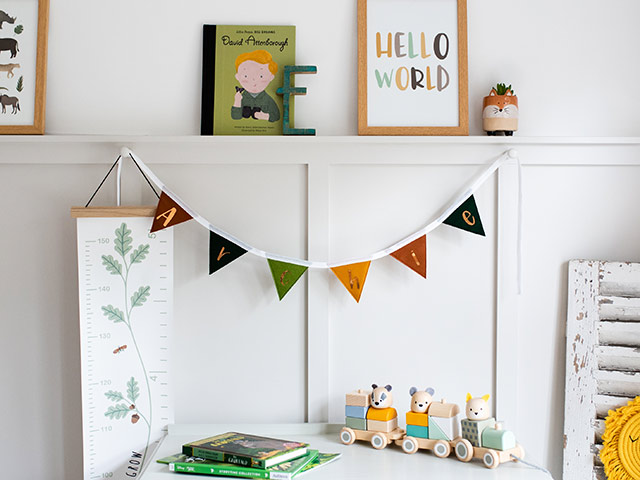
[[381, 396], [500, 111], [421, 399], [7, 100], [478, 408]]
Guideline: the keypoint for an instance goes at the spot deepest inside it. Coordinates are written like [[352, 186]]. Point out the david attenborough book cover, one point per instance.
[[242, 68]]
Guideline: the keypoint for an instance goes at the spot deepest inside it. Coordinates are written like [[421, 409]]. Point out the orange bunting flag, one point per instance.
[[168, 214], [353, 277], [414, 256]]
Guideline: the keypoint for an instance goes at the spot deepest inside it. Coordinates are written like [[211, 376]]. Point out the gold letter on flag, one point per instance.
[[168, 214], [414, 255], [353, 277]]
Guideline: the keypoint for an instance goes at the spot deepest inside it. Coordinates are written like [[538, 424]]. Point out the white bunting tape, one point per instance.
[[470, 190]]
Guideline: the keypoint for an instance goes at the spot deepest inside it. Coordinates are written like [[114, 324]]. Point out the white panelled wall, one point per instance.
[[133, 68]]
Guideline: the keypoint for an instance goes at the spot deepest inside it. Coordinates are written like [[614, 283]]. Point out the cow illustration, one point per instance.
[[7, 100], [10, 45], [4, 17]]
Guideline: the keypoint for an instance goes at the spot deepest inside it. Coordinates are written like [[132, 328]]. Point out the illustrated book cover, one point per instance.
[[320, 460], [242, 67], [245, 450], [283, 471]]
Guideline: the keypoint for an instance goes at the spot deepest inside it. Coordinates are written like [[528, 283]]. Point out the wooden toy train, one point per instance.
[[430, 425]]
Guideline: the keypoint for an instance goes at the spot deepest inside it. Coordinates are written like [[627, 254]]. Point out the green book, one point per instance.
[[282, 471], [320, 460], [245, 450], [242, 68]]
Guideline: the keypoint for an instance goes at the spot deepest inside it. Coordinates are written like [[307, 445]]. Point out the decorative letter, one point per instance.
[[286, 91]]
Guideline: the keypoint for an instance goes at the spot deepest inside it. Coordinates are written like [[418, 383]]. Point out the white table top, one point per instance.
[[358, 461]]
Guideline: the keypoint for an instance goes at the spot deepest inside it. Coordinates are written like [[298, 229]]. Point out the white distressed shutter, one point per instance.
[[603, 357]]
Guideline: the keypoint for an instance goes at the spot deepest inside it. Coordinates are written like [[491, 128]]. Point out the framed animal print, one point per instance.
[[23, 65], [412, 67]]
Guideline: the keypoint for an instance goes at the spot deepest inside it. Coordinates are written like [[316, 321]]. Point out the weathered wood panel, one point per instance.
[[582, 318], [619, 308], [624, 359], [603, 357], [621, 279], [619, 333]]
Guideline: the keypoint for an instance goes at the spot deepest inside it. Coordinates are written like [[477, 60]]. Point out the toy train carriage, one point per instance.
[[437, 428], [370, 417]]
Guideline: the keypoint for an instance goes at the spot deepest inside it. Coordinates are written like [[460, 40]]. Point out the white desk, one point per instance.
[[358, 461]]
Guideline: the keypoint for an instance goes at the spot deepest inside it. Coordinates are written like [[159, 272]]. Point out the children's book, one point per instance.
[[242, 68], [283, 471], [245, 450], [320, 460]]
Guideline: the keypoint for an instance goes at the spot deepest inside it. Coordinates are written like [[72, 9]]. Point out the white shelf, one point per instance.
[[323, 151], [358, 461], [357, 140]]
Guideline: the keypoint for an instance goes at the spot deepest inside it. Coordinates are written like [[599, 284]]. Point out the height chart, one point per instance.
[[125, 277]]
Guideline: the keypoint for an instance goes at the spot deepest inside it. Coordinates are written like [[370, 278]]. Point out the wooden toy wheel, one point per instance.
[[491, 459], [347, 436], [464, 450], [442, 449], [379, 441], [409, 445]]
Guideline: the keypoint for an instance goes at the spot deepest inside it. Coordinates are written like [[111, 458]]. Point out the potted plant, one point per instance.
[[500, 111]]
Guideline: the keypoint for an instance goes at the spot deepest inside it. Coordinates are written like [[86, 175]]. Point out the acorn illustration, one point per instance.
[[132, 407], [134, 418]]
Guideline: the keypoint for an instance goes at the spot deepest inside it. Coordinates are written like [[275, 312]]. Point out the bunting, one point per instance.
[[168, 213], [414, 256], [466, 217], [285, 275], [412, 252], [222, 252], [353, 277]]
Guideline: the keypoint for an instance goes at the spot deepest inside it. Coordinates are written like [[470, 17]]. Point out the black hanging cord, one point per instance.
[[109, 172], [103, 180], [145, 177]]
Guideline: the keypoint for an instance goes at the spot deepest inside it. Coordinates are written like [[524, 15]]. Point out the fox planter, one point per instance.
[[500, 111]]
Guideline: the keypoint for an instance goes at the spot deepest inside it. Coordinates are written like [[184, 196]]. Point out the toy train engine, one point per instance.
[[483, 438], [371, 417]]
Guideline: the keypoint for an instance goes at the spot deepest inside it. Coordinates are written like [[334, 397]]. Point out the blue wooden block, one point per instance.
[[355, 411], [417, 431]]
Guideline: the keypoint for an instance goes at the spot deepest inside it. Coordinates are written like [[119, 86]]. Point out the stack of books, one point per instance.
[[235, 454]]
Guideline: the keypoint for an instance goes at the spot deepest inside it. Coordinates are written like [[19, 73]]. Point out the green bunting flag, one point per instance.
[[466, 217], [285, 275], [222, 252]]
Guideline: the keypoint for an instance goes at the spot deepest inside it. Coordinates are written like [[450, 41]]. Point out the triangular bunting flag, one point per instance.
[[466, 217], [353, 277], [285, 275], [222, 252], [168, 214], [414, 255]]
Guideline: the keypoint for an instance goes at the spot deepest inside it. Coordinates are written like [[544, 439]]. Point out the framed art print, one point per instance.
[[23, 65], [412, 67]]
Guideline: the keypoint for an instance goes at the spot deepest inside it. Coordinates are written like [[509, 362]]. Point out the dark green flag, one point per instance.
[[466, 217], [285, 275], [222, 252]]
